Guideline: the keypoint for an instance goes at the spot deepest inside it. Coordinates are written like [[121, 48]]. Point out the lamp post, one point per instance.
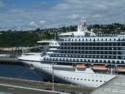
[[53, 88]]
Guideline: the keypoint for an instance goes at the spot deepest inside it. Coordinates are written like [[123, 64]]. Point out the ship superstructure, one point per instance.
[[82, 57]]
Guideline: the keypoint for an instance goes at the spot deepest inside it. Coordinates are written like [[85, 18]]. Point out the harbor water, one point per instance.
[[16, 71]]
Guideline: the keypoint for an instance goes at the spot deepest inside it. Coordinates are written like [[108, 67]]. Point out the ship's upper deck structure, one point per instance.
[[83, 46]]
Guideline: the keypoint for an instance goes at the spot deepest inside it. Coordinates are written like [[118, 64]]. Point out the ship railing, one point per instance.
[[98, 35], [95, 60], [122, 39]]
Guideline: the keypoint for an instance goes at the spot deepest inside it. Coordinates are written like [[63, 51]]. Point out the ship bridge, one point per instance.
[[82, 31]]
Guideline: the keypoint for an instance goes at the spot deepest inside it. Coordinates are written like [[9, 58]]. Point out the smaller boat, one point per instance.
[[80, 65], [99, 67], [121, 68]]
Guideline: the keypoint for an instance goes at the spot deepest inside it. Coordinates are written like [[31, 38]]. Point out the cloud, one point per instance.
[[14, 10], [7, 0], [63, 13], [1, 4], [33, 24], [74, 16], [74, 1], [62, 6], [40, 3], [97, 16], [42, 22]]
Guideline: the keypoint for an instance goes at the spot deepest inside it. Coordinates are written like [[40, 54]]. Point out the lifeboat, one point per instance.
[[121, 68], [80, 66], [99, 67]]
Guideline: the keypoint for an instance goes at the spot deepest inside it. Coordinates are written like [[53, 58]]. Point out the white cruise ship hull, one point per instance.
[[70, 74]]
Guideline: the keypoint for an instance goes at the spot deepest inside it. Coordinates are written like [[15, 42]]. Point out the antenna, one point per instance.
[[83, 19], [82, 26]]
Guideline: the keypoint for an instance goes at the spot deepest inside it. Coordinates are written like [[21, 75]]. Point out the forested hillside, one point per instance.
[[29, 38]]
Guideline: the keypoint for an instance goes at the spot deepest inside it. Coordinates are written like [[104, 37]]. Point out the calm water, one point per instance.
[[16, 71]]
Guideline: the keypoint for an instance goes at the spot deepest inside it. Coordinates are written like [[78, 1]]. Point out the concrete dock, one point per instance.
[[22, 86], [114, 86], [10, 61]]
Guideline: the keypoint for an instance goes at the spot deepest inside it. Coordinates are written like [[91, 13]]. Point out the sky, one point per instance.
[[32, 14]]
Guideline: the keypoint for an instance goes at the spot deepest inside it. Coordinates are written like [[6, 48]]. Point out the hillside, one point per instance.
[[29, 38]]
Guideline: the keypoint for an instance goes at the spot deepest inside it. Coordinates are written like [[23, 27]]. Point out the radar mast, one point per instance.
[[82, 26]]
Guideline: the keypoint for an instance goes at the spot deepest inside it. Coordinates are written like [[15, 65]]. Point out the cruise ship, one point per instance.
[[80, 57]]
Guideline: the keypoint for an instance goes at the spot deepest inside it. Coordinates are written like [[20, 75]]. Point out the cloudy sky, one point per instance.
[[32, 14]]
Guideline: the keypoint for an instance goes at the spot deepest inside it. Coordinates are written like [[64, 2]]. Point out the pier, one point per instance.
[[22, 86], [10, 61]]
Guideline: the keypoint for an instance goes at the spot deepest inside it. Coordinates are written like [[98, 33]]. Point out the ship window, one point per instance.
[[122, 61], [96, 61], [109, 62], [100, 61], [118, 39]]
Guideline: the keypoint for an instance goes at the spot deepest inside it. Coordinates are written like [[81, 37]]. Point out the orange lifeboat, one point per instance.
[[99, 67], [121, 68], [80, 66]]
